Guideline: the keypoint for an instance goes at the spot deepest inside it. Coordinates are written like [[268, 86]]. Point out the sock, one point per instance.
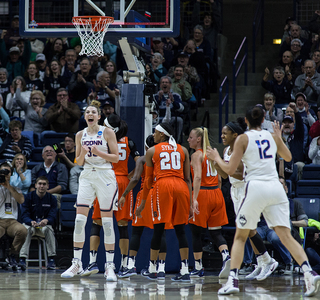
[[131, 262], [124, 260], [152, 266], [225, 254], [77, 253], [109, 256], [265, 257], [306, 267], [161, 266], [198, 264], [184, 267], [93, 256], [234, 273]]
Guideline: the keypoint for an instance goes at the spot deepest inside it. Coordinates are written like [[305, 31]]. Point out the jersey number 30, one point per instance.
[[167, 164], [263, 152]]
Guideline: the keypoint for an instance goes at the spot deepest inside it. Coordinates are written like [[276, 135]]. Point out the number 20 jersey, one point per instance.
[[167, 162], [92, 160], [259, 157]]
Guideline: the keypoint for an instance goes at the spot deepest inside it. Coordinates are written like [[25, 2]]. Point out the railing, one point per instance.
[[258, 22], [235, 72], [223, 101]]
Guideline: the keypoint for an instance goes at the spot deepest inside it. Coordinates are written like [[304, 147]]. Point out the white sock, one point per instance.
[[93, 256], [131, 262], [124, 260], [152, 266], [198, 264], [265, 257], [184, 267], [161, 266], [109, 256], [77, 253]]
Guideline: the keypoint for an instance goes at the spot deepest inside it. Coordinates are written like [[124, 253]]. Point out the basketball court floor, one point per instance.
[[41, 284]]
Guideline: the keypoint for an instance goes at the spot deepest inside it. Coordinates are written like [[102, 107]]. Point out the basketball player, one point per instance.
[[264, 194], [208, 203], [138, 224], [266, 264], [171, 195], [96, 150], [124, 214]]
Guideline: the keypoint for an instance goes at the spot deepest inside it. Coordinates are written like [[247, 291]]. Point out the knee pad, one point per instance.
[[95, 230], [107, 223], [123, 232], [79, 234], [217, 237]]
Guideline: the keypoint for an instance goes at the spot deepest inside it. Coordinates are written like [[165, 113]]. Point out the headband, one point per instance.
[[235, 128], [172, 141], [109, 126]]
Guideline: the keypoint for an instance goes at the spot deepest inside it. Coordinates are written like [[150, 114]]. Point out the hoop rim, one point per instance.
[[92, 19]]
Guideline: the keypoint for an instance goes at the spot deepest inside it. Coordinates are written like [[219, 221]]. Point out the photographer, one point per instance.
[[39, 212], [9, 199]]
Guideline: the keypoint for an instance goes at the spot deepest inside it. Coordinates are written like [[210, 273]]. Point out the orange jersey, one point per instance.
[[208, 176], [167, 162], [121, 167]]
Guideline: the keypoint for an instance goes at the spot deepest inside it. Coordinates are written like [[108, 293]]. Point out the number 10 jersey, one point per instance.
[[259, 157]]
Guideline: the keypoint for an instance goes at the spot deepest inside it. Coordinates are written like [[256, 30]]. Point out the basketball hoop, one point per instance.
[[91, 30]]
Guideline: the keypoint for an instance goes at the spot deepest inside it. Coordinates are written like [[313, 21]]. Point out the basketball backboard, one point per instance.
[[53, 18]]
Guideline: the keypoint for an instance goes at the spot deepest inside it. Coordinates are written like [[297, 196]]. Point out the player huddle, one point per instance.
[[166, 199]]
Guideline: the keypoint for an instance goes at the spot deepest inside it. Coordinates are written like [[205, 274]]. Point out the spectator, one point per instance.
[[158, 47], [289, 66], [53, 81], [316, 59], [74, 179], [272, 113], [180, 85], [68, 155], [32, 78], [12, 36], [70, 64], [295, 34], [4, 118], [307, 114], [315, 128], [4, 83], [35, 113], [41, 63], [309, 83], [14, 63], [115, 78], [63, 115], [55, 172], [81, 82], [294, 137], [21, 176], [280, 86], [314, 150], [202, 43], [157, 68], [298, 56], [103, 88], [38, 214], [10, 198], [17, 91], [176, 105], [54, 49], [14, 142]]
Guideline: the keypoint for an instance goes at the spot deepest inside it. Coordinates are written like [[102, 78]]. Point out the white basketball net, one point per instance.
[[91, 34]]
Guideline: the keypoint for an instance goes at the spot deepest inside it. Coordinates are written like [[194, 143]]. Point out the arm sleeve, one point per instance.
[[27, 182], [299, 131], [133, 149], [313, 148], [5, 118], [311, 119]]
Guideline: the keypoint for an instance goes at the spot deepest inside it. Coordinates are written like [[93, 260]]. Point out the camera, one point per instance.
[[3, 174], [149, 90], [57, 148]]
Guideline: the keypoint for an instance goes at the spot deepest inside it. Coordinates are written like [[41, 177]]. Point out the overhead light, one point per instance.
[[277, 41]]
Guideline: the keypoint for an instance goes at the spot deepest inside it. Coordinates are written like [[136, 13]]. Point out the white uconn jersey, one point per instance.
[[226, 158], [92, 160], [260, 155]]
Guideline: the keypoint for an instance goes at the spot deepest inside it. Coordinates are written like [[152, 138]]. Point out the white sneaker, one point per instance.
[[253, 275], [224, 273], [267, 269], [231, 287], [75, 269], [312, 281], [109, 272]]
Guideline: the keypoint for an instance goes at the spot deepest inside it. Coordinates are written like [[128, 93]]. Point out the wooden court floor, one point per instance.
[[35, 284]]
